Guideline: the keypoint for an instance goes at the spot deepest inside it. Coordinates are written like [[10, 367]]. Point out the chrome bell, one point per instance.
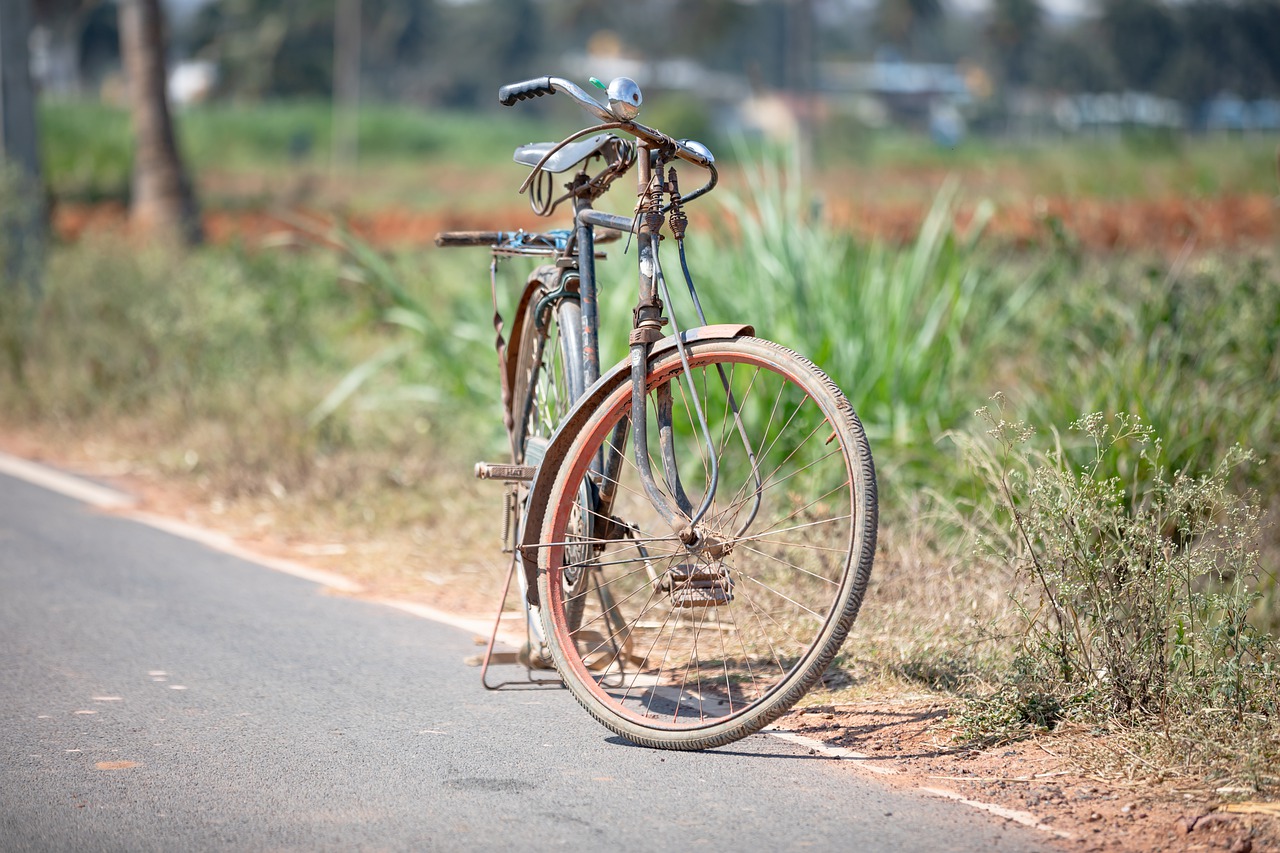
[[698, 148], [624, 98]]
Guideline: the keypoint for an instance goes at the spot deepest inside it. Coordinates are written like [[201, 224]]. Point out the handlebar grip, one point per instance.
[[512, 92], [446, 239]]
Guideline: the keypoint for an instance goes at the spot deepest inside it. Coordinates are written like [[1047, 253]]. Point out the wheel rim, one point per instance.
[[554, 379], [684, 640]]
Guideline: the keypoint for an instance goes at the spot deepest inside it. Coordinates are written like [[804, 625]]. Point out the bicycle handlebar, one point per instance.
[[511, 93]]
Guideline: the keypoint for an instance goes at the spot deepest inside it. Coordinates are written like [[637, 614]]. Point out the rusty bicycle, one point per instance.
[[693, 528]]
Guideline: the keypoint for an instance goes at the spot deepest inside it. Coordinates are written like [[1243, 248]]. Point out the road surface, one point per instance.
[[156, 694]]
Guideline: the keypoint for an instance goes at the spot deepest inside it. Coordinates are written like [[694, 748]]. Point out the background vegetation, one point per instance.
[[455, 54], [211, 368]]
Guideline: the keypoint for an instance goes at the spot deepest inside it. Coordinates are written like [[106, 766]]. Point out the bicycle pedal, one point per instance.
[[540, 659], [708, 597], [505, 472]]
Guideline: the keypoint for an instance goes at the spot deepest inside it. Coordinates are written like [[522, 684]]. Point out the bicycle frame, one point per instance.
[[656, 152]]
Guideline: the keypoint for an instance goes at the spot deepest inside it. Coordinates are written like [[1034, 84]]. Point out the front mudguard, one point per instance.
[[544, 479]]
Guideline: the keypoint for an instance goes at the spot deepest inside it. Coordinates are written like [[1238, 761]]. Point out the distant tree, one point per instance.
[[1210, 59], [1225, 47], [1012, 32], [162, 197], [1260, 24], [903, 22], [1073, 61], [1141, 36], [268, 47], [284, 48], [22, 225], [484, 44]]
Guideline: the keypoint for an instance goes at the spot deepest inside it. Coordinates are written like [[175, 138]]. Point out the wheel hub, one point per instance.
[[692, 586]]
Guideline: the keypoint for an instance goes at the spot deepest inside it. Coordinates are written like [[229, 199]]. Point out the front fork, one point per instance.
[[673, 505]]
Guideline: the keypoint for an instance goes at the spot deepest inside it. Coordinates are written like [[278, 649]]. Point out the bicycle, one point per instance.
[[694, 528]]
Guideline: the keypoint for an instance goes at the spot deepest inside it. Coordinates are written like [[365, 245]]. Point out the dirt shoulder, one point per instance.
[[906, 741]]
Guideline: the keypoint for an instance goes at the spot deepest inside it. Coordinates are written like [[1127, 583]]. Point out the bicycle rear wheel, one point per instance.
[[692, 647], [548, 375]]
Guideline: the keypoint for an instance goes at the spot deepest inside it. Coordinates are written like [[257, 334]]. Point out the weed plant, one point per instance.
[[1134, 597], [434, 321], [901, 330]]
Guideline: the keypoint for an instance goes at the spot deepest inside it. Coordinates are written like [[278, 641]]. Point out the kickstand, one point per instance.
[[508, 657]]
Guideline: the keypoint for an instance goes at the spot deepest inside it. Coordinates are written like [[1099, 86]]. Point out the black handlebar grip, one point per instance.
[[513, 92], [446, 239]]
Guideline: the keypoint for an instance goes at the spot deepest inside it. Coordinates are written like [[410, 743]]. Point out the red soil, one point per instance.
[[1167, 225]]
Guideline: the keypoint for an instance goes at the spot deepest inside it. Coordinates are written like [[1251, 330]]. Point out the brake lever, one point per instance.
[[705, 188]]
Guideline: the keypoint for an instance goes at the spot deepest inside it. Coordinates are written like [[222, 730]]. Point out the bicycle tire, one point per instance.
[[771, 608]]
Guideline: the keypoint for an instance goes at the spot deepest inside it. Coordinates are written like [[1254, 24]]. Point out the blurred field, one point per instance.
[[1132, 273], [419, 171]]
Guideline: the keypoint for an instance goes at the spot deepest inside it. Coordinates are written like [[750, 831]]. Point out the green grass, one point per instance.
[[1192, 348], [87, 146], [905, 331], [121, 333], [86, 149], [1111, 166]]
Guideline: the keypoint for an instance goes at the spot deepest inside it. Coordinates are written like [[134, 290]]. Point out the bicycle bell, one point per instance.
[[698, 148], [624, 98]]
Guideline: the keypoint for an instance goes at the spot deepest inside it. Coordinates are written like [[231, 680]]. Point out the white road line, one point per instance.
[[475, 625], [102, 497], [64, 484], [861, 761], [1024, 818], [864, 762]]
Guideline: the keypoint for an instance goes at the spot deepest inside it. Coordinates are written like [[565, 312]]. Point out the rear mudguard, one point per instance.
[[544, 479]]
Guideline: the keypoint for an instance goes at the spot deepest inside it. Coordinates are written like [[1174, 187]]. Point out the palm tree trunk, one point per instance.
[[163, 202]]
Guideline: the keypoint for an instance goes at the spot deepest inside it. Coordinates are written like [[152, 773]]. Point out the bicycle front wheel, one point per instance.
[[694, 646]]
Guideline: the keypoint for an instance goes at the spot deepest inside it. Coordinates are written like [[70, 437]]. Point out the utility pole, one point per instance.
[[22, 214], [346, 83]]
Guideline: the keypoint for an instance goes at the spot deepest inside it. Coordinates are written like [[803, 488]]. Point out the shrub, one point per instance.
[[1135, 593]]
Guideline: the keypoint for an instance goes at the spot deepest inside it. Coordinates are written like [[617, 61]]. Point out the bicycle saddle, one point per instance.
[[564, 159]]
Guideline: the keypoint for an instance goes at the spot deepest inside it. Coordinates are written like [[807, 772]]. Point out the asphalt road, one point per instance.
[[159, 695]]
